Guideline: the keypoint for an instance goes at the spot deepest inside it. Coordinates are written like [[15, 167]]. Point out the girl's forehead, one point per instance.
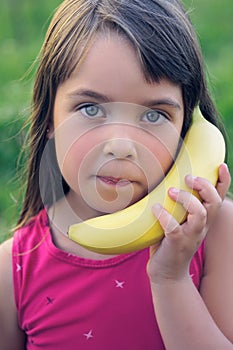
[[112, 68], [106, 50], [111, 72]]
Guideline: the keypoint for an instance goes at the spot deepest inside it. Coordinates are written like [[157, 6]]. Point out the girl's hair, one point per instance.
[[165, 43]]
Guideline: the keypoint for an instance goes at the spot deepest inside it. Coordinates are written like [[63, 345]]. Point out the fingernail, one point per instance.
[[190, 178], [174, 190], [226, 167], [156, 208]]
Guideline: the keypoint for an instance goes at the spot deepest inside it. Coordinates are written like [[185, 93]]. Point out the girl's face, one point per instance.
[[115, 134]]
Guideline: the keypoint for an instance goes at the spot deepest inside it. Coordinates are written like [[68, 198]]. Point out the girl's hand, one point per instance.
[[170, 260]]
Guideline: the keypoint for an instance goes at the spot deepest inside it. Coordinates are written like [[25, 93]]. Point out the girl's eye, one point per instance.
[[153, 116], [91, 111]]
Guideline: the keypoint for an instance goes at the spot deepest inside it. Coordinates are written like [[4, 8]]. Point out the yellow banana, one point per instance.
[[135, 227]]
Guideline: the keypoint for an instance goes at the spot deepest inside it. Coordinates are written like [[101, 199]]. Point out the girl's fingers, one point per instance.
[[197, 213], [208, 193], [196, 219], [167, 221], [181, 240], [224, 180]]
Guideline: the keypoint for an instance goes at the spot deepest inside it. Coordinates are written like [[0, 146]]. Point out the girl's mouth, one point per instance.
[[113, 181]]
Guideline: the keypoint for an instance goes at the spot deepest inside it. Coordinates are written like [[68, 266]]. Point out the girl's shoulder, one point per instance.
[[227, 206], [11, 337], [6, 256], [6, 282], [217, 282], [224, 219], [220, 235]]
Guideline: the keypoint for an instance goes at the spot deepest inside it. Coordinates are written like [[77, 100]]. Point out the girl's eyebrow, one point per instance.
[[105, 99], [163, 101], [89, 93]]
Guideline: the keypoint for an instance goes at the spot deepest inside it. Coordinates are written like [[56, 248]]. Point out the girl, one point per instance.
[[114, 94]]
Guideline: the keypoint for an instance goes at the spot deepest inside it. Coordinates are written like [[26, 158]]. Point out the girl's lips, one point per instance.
[[112, 181]]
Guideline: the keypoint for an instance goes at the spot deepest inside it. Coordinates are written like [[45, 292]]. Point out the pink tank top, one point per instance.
[[65, 302]]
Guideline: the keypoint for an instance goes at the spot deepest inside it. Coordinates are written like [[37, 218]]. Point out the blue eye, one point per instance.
[[153, 116], [91, 111]]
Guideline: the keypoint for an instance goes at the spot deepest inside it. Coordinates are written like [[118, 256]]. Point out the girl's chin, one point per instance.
[[103, 198], [108, 205]]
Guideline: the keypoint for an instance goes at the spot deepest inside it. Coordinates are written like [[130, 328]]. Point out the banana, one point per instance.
[[135, 227]]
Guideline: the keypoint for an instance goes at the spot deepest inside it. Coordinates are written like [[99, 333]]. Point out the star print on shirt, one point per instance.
[[49, 300], [18, 267], [88, 335], [119, 284], [31, 341]]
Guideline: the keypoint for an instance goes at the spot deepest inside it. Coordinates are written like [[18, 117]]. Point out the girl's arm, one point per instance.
[[11, 337], [187, 319]]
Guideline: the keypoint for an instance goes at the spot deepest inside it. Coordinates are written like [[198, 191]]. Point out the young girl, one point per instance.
[[115, 90]]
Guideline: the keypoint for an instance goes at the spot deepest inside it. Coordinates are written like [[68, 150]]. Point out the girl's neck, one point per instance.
[[61, 216]]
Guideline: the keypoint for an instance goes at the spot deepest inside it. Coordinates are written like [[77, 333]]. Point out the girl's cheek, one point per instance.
[[73, 142], [74, 153]]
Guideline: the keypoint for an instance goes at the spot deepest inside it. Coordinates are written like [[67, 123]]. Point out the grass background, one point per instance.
[[22, 28]]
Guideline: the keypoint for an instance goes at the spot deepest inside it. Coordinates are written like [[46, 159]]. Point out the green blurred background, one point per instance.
[[23, 24]]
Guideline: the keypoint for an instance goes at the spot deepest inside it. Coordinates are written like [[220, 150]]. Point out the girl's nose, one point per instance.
[[121, 148]]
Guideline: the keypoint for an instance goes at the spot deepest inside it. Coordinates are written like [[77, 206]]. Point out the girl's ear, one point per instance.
[[49, 131]]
